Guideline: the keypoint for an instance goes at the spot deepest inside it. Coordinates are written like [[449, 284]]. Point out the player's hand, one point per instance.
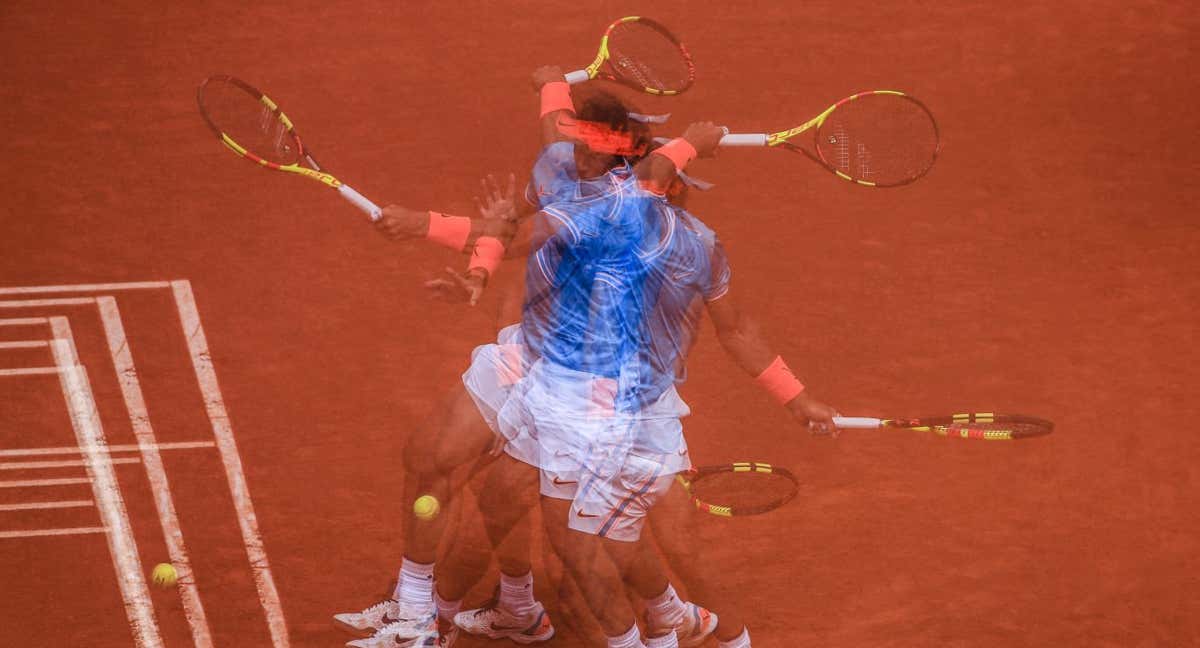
[[546, 74], [704, 137], [461, 286], [497, 204], [400, 222], [816, 415]]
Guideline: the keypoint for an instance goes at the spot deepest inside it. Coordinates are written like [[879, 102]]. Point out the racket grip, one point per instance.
[[861, 422], [578, 76], [372, 210], [754, 139]]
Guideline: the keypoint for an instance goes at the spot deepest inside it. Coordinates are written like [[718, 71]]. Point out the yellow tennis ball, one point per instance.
[[426, 507], [164, 574]]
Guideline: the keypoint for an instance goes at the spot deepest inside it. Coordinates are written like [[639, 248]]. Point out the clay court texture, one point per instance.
[[207, 362]]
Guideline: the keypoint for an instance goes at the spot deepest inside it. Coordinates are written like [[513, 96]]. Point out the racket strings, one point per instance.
[[744, 492], [992, 431], [254, 125], [883, 139], [643, 55]]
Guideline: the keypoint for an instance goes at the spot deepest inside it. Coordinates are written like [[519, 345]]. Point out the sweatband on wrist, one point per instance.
[[779, 381], [556, 95], [488, 254], [679, 151], [449, 231]]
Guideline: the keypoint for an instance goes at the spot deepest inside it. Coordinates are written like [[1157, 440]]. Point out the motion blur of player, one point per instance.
[[668, 267], [456, 436]]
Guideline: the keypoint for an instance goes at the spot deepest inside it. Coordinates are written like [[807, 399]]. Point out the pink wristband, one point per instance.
[[679, 151], [556, 95], [489, 252], [449, 231], [779, 381]]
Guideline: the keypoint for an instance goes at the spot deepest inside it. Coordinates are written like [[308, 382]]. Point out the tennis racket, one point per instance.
[[978, 425], [642, 54], [880, 138], [738, 489], [247, 122]]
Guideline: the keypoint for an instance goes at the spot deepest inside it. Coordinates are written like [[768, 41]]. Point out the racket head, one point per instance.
[[249, 122], [643, 54], [878, 138], [987, 426], [740, 488]]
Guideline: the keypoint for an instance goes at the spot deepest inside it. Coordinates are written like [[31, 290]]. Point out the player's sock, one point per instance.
[[741, 641], [668, 640], [446, 609], [415, 587], [665, 610], [631, 638], [516, 593]]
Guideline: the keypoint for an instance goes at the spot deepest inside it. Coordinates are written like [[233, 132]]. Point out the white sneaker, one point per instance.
[[370, 620], [409, 627], [494, 622], [426, 639], [695, 627]]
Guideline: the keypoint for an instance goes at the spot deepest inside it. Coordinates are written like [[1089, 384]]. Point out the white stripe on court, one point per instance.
[[34, 303], [139, 418], [25, 344], [35, 533], [193, 332], [23, 321], [33, 506], [65, 463], [29, 483], [37, 452], [29, 371], [85, 419], [105, 287]]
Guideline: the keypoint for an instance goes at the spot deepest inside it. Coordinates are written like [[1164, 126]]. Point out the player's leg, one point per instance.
[[451, 438], [505, 500], [673, 523], [594, 571]]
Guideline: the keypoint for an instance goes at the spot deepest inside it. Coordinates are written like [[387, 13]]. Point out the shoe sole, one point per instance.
[[696, 641], [516, 638]]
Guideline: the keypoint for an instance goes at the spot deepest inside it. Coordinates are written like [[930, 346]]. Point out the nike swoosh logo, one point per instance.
[[683, 452], [563, 483], [501, 627], [581, 514], [387, 619]]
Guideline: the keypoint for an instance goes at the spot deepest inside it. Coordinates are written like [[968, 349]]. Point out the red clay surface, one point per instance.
[[1047, 265]]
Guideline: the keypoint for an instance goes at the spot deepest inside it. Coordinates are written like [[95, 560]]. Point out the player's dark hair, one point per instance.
[[606, 108]]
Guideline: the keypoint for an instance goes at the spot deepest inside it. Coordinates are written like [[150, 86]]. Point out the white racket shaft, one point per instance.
[[745, 139], [358, 200], [857, 422], [578, 76]]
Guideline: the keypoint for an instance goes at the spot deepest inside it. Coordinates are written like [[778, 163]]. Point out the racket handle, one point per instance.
[[372, 210], [578, 76], [861, 422], [753, 139]]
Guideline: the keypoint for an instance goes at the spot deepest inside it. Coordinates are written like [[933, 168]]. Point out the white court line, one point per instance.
[[29, 371], [105, 287], [85, 419], [34, 303], [66, 463], [34, 533], [139, 418], [33, 506], [214, 404], [23, 321], [28, 483], [24, 344], [37, 452]]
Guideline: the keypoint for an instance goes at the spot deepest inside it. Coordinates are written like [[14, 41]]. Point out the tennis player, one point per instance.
[[459, 436]]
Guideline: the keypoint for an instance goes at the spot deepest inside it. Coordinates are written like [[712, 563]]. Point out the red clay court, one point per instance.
[[255, 355]]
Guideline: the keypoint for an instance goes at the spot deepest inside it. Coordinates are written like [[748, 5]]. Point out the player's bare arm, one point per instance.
[[742, 339]]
